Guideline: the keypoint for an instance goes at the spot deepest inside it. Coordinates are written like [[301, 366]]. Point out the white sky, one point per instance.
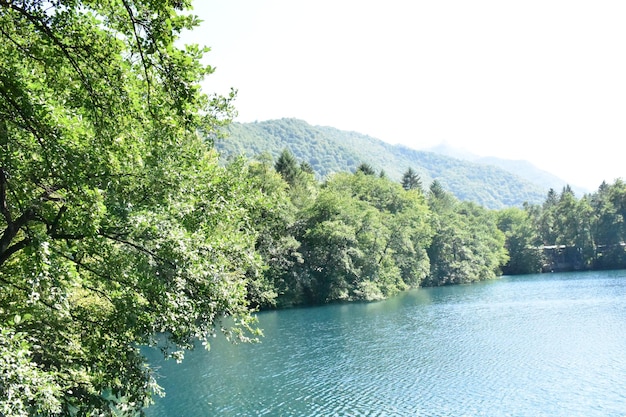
[[540, 80]]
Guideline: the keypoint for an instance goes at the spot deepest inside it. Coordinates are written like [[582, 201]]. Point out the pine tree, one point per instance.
[[366, 169], [287, 166], [411, 180]]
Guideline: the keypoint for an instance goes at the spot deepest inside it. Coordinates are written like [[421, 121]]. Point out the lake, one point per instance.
[[533, 345]]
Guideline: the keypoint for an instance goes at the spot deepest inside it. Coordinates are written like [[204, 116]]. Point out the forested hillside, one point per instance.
[[329, 150]]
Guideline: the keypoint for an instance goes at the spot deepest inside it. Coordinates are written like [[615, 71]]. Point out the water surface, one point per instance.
[[536, 345]]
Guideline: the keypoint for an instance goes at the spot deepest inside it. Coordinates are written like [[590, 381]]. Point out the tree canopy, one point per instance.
[[117, 223]]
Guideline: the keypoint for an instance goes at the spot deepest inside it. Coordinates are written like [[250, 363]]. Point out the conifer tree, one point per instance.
[[411, 180], [287, 166]]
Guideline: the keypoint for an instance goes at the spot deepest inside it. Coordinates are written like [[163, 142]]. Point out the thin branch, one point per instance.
[[83, 284], [3, 197], [139, 248], [19, 46], [52, 229], [134, 23]]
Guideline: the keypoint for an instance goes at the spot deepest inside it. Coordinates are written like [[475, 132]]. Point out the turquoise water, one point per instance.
[[536, 345]]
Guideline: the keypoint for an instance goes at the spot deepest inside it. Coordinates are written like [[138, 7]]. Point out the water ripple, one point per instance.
[[549, 346]]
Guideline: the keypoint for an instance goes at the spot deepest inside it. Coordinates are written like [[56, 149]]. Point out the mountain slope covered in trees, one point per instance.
[[329, 150]]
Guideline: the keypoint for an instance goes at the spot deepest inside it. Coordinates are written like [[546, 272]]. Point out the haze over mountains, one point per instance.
[[519, 167], [491, 182]]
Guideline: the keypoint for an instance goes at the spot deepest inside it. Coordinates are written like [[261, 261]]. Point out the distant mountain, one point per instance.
[[329, 150], [521, 168], [444, 148]]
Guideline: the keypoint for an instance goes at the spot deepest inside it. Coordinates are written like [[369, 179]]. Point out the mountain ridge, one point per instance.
[[520, 167], [329, 150]]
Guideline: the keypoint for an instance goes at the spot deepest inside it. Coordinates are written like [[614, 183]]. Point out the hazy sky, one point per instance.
[[542, 80]]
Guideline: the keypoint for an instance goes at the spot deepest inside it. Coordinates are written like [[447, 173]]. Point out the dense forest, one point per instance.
[[363, 236], [491, 183], [121, 227]]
